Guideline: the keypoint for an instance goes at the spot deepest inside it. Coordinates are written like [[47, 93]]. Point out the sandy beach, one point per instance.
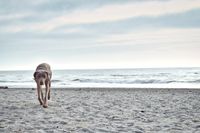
[[103, 110]]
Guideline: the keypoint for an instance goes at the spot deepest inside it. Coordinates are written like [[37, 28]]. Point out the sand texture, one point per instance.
[[101, 111]]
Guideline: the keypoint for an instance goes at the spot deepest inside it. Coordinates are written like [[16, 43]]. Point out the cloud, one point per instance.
[[111, 13], [9, 17], [119, 12], [159, 36], [144, 48]]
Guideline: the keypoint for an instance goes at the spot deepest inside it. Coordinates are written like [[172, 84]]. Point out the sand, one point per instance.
[[101, 110]]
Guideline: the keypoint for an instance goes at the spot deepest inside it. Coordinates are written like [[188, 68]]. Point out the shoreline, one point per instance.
[[100, 88]]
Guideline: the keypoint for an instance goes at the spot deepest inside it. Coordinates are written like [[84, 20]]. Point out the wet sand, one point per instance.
[[101, 110]]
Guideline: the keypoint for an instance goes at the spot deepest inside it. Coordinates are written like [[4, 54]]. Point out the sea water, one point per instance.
[[140, 77]]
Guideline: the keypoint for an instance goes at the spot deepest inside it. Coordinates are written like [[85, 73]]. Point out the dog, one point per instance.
[[42, 76]]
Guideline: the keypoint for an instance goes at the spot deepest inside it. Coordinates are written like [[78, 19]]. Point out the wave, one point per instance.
[[15, 81], [109, 77], [76, 80], [121, 75], [84, 80], [147, 81], [137, 81], [109, 81], [55, 81], [195, 81]]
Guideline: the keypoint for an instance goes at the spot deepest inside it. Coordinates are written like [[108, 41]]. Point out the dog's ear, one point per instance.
[[34, 75]]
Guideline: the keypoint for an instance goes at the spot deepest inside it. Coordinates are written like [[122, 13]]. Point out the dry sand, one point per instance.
[[101, 110]]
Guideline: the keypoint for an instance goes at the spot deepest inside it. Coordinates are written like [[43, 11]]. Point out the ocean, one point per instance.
[[141, 77]]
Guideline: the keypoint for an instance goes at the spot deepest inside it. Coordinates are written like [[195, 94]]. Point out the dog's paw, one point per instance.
[[41, 103], [45, 106]]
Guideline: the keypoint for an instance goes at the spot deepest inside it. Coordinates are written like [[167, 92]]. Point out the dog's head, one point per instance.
[[40, 77]]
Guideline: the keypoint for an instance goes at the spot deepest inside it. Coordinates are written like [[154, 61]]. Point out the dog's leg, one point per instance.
[[49, 93], [42, 96], [39, 92], [45, 105]]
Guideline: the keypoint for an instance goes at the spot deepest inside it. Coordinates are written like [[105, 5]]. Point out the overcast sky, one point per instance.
[[82, 34]]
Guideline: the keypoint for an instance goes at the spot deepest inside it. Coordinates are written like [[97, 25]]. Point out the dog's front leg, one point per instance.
[[39, 94], [49, 94], [45, 105]]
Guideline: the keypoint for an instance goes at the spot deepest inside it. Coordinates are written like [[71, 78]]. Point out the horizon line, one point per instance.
[[60, 69]]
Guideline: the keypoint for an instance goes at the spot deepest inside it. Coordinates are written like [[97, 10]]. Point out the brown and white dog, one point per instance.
[[42, 76]]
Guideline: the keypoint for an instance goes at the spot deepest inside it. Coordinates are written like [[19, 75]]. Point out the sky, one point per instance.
[[99, 34]]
